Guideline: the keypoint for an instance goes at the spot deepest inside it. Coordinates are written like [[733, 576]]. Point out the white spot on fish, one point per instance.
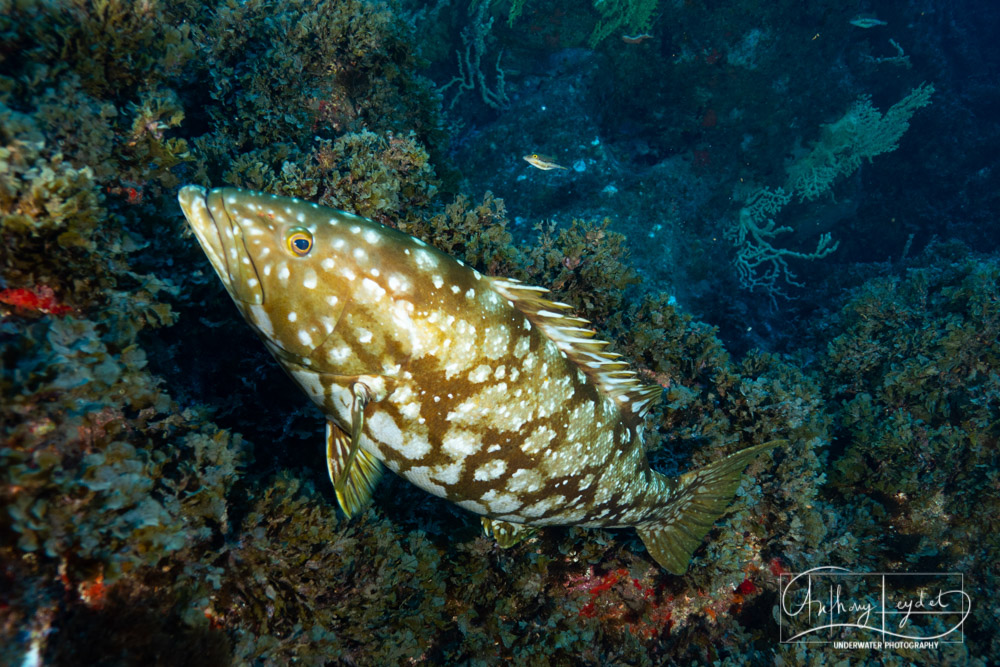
[[438, 282], [373, 287], [292, 316], [501, 503], [410, 410], [459, 443], [524, 481], [449, 474], [338, 354], [543, 506], [364, 336], [480, 373], [426, 260], [538, 440], [472, 506], [327, 263], [490, 470], [371, 236], [304, 337], [385, 430], [415, 447], [309, 282]]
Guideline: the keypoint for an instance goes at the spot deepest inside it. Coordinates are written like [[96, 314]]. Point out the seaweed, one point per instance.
[[140, 528]]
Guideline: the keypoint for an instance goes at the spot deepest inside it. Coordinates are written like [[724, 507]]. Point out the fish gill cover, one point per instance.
[[784, 216]]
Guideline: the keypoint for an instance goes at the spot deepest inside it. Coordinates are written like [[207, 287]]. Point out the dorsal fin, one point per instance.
[[575, 337]]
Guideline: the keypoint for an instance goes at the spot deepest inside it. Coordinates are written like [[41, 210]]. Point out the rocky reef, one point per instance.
[[163, 497]]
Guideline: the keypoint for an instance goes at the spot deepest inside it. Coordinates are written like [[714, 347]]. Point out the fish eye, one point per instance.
[[300, 242]]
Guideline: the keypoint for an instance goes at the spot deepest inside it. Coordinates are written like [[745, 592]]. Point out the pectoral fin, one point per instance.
[[505, 533], [353, 471]]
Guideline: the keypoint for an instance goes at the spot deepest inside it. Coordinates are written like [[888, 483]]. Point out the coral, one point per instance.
[[586, 264], [114, 47], [39, 190], [476, 38], [387, 178], [104, 480], [477, 235], [862, 133], [629, 15], [759, 263], [859, 135], [913, 371], [307, 584], [41, 299], [307, 69], [79, 479], [146, 153]]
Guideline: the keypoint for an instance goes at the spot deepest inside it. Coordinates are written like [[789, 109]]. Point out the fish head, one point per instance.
[[536, 160], [274, 256]]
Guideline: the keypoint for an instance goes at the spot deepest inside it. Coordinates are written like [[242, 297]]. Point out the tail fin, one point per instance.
[[699, 499]]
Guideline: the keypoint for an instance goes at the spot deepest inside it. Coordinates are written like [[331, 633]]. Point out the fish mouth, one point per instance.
[[222, 239]]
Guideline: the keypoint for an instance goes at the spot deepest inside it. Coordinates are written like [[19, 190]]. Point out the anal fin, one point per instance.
[[354, 481], [505, 533], [696, 503]]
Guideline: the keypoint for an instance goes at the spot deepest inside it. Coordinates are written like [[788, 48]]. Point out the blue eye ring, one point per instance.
[[299, 242]]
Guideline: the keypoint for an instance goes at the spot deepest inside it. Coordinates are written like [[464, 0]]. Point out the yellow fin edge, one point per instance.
[[354, 487]]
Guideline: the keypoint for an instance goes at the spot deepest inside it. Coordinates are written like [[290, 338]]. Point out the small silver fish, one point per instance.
[[479, 390], [543, 162]]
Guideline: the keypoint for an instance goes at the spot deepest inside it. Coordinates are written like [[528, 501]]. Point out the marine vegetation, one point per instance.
[[163, 485]]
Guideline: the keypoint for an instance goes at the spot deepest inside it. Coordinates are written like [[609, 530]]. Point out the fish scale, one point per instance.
[[476, 389]]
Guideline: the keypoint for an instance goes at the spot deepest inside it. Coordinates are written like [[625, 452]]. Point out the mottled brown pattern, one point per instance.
[[479, 389]]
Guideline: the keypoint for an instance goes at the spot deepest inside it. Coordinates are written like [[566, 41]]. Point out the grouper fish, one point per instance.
[[476, 389]]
